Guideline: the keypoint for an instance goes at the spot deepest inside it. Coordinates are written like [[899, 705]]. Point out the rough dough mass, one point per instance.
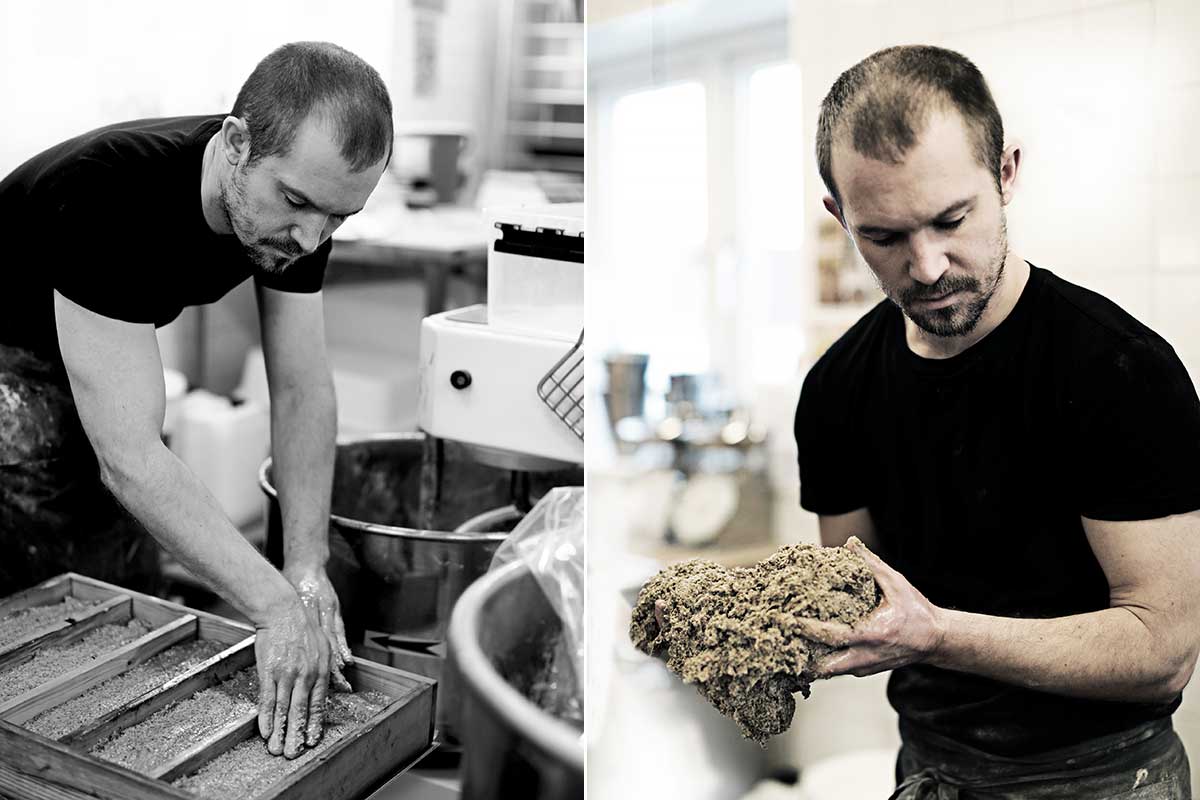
[[734, 633]]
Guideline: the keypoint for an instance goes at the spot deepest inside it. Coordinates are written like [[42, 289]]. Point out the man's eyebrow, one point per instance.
[[302, 197], [953, 208]]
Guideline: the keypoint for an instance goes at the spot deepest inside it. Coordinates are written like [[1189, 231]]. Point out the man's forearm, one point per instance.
[[303, 442], [183, 516], [1112, 654]]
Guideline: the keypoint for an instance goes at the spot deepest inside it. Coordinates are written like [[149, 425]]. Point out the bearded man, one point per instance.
[[111, 235], [1020, 455]]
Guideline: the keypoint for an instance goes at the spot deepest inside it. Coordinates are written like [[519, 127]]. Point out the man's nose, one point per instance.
[[929, 261], [307, 231]]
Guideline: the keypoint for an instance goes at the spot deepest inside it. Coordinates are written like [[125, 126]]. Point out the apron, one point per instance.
[[55, 513], [1145, 763]]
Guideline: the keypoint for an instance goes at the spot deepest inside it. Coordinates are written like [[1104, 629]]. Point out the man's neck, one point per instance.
[[1012, 283], [210, 189]]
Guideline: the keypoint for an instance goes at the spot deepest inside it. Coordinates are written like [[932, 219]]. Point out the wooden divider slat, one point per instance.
[[212, 626], [207, 749], [29, 705], [56, 765], [205, 674], [62, 632], [54, 590]]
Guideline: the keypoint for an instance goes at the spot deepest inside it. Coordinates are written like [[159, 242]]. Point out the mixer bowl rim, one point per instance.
[[374, 528], [548, 733]]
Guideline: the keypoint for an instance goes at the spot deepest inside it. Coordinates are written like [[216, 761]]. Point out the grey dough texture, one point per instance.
[[174, 729], [734, 632], [58, 660], [248, 769], [28, 620], [121, 689]]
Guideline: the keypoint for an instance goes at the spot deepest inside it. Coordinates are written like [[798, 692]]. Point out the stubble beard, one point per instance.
[[960, 318], [260, 252]]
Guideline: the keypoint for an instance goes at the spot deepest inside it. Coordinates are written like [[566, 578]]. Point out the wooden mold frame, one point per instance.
[[33, 766]]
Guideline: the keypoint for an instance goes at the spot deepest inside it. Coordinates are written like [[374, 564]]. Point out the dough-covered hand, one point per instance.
[[317, 594], [293, 676], [904, 629]]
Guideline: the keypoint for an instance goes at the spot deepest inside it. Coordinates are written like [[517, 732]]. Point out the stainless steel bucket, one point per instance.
[[500, 631]]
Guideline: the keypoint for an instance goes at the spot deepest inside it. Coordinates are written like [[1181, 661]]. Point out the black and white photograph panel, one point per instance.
[[291, 400], [893, 318]]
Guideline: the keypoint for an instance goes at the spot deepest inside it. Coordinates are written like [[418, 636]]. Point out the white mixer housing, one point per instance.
[[480, 367]]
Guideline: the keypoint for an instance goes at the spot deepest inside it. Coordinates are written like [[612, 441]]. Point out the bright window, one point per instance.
[[770, 212], [658, 211], [775, 154]]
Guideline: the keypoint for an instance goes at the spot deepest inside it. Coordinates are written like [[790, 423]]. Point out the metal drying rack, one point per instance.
[[561, 389]]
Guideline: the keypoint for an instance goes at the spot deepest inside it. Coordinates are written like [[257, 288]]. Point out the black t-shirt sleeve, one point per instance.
[[84, 225], [831, 480], [1138, 434], [305, 276]]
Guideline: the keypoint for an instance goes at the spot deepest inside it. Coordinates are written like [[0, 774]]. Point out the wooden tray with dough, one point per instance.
[[33, 766]]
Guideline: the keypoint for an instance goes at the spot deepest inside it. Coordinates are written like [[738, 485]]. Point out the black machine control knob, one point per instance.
[[460, 379]]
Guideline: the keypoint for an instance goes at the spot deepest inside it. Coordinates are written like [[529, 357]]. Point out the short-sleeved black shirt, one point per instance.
[[976, 470], [113, 220]]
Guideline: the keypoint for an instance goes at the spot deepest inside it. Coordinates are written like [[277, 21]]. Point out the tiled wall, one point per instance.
[[1105, 98]]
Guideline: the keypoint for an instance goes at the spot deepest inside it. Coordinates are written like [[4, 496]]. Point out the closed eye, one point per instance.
[[885, 241], [293, 202], [949, 226]]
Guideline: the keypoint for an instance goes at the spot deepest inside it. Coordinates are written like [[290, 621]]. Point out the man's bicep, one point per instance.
[[1153, 571], [1151, 563], [115, 373], [836, 529]]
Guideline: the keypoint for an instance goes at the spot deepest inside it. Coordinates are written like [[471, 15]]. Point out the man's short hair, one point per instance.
[[884, 101], [302, 77]]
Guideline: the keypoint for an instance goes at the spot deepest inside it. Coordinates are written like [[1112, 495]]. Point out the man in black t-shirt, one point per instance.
[[109, 236], [1020, 454]]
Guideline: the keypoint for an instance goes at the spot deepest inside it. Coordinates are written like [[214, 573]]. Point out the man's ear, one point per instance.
[[235, 140], [832, 207], [1010, 165]]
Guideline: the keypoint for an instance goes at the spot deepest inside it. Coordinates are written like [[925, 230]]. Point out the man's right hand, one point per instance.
[[293, 677]]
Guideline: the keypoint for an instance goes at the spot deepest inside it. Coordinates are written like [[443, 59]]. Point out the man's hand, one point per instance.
[[318, 596], [904, 629], [293, 677]]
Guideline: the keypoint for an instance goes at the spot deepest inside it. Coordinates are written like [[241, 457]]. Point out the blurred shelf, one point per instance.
[[554, 97], [557, 30], [552, 130], [553, 63], [539, 78]]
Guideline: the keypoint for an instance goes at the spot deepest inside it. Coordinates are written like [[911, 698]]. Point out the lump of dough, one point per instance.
[[733, 632]]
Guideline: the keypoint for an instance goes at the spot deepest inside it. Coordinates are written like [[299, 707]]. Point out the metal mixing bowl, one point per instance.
[[400, 578], [499, 632]]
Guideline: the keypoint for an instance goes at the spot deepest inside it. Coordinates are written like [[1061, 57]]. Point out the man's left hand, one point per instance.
[[904, 629], [318, 596]]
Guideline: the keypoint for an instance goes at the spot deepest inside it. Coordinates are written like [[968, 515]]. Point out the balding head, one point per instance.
[[882, 104]]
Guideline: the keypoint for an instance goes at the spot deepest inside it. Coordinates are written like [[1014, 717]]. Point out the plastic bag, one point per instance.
[[550, 540]]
